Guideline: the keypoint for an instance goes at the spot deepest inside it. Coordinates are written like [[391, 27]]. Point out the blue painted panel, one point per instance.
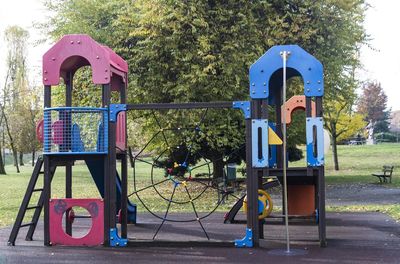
[[96, 169], [247, 241], [115, 240], [100, 138], [255, 125], [77, 144], [272, 158], [318, 123], [307, 66], [115, 109], [244, 106], [75, 130], [47, 131]]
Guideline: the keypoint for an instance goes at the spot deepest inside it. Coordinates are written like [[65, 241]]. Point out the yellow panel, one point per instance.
[[273, 138]]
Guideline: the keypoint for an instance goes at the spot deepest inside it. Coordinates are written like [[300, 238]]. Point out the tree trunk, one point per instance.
[[218, 169], [2, 169], [33, 157], [15, 155], [334, 150], [12, 143], [21, 159], [4, 150]]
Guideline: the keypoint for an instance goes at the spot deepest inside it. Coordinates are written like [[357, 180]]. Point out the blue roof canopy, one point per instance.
[[266, 73]]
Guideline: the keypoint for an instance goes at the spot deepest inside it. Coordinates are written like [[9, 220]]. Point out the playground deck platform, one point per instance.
[[352, 238]]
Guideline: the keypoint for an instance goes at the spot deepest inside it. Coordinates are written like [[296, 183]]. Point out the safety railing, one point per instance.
[[75, 130]]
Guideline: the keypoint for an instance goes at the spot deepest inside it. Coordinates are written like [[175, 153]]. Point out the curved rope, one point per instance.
[[176, 182]]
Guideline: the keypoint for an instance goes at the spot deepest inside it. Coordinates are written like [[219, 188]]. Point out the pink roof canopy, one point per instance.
[[75, 51]]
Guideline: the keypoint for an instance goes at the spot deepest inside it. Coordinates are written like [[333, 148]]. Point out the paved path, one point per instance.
[[353, 194], [349, 194], [352, 238]]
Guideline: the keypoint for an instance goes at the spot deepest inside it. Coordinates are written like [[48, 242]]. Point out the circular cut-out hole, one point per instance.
[[80, 219]]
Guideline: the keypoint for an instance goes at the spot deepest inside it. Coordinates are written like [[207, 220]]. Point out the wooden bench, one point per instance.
[[387, 172]]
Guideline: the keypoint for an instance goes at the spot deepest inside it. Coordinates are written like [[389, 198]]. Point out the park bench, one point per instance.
[[387, 172]]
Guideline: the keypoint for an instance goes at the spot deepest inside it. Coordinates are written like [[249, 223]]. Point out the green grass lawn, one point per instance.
[[356, 163], [14, 186]]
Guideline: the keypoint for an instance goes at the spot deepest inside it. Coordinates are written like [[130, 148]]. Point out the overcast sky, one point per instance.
[[381, 64]]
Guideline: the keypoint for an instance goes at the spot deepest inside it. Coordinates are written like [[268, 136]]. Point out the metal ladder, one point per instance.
[[25, 205]]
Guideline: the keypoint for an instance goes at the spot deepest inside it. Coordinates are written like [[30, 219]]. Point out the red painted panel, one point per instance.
[[58, 129], [94, 237], [121, 131], [40, 131]]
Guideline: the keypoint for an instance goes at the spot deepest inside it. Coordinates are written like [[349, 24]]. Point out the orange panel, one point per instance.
[[301, 200], [294, 103]]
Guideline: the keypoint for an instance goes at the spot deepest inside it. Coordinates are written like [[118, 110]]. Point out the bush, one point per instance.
[[386, 137], [295, 153]]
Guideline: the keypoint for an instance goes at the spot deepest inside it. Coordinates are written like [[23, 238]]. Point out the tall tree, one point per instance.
[[342, 122], [16, 87], [201, 50], [339, 114], [25, 126], [2, 155], [373, 104]]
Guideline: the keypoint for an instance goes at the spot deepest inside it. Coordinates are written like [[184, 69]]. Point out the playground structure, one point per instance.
[[98, 136]]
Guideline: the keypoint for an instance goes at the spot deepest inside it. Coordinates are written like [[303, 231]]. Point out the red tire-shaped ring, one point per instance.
[[40, 131], [119, 216], [71, 216]]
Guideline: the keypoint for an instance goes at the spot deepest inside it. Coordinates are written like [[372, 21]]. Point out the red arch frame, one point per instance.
[[294, 103], [77, 50]]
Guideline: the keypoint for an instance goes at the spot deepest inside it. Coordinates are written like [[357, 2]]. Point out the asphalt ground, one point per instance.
[[352, 238]]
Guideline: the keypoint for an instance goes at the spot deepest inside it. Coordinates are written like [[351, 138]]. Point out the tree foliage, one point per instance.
[[15, 86], [20, 102], [348, 123], [373, 104], [192, 50]]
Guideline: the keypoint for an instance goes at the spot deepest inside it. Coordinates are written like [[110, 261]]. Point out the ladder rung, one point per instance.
[[37, 190], [41, 172], [82, 216], [27, 224], [32, 207]]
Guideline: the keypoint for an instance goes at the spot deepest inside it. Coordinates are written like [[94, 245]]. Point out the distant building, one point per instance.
[[395, 122]]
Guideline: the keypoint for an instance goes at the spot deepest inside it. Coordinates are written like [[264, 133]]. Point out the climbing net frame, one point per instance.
[[179, 181]]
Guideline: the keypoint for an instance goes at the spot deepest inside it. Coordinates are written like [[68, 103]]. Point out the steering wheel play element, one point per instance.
[[264, 204]]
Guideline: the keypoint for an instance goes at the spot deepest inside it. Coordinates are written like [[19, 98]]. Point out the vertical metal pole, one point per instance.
[[111, 174], [251, 185], [107, 202], [284, 55], [278, 118], [68, 166], [321, 207], [47, 178], [124, 198], [124, 174], [263, 113], [321, 187]]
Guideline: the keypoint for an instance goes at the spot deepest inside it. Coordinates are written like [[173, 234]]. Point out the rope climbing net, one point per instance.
[[181, 173]]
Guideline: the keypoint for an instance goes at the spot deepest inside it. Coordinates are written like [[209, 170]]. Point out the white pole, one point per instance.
[[284, 55]]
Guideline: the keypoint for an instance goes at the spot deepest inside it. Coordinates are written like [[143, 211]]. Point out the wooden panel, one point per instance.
[[301, 200]]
